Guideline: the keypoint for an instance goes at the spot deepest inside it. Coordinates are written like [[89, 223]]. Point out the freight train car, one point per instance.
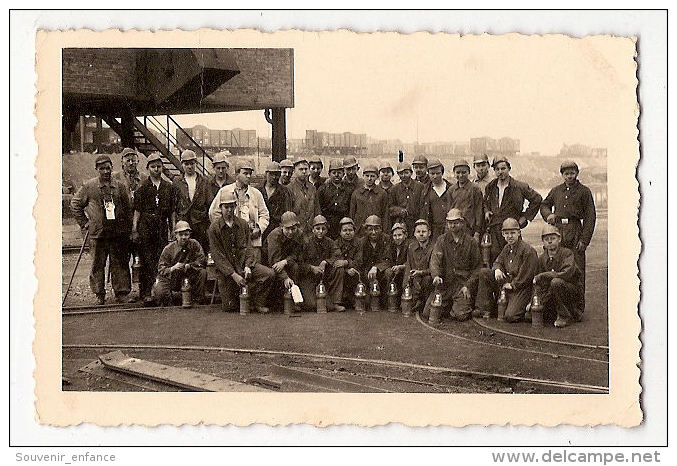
[[238, 141]]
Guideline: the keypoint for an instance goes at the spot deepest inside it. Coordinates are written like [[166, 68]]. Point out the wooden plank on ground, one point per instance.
[[99, 370], [184, 378], [322, 382]]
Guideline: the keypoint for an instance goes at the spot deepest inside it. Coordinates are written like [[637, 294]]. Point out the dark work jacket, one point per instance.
[[370, 256], [280, 247], [172, 254], [196, 211], [435, 207], [154, 217], [213, 186], [418, 257], [469, 200], [229, 246], [519, 262], [401, 258], [347, 250], [365, 202], [404, 202], [456, 263], [87, 205], [513, 201], [280, 202], [561, 265], [315, 251], [334, 204], [576, 204]]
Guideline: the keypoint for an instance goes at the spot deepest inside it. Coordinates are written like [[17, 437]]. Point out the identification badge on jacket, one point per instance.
[[109, 207]]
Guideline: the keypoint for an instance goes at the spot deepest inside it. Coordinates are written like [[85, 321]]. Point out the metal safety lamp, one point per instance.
[[393, 296], [536, 311], [321, 298], [288, 303], [407, 299], [502, 305], [210, 267], [375, 293], [244, 300], [435, 308], [186, 300], [360, 296], [136, 266], [485, 245]]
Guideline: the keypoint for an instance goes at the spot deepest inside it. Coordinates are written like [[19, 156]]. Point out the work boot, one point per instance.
[[476, 313], [527, 316], [486, 314], [336, 308], [148, 301], [262, 309], [101, 299], [124, 298], [561, 322]]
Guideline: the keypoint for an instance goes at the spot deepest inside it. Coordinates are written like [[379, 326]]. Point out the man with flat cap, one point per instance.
[[192, 198], [286, 171], [420, 166], [436, 199], [304, 196], [315, 167], [180, 259], [277, 197], [102, 207], [370, 199], [129, 175], [455, 265], [333, 198], [571, 207], [235, 261], [504, 198], [152, 222], [350, 178], [404, 198], [250, 207], [220, 177], [385, 173], [317, 265]]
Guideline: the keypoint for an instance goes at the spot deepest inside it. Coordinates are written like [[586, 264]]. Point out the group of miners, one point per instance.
[[452, 245]]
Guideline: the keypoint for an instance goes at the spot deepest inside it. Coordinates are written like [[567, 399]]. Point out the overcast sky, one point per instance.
[[544, 91]]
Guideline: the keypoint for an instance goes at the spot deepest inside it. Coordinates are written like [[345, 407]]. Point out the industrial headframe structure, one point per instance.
[[136, 91]]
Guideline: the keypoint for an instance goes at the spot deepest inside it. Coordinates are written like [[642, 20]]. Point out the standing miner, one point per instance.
[[221, 177], [234, 259], [304, 196], [481, 165], [250, 204], [454, 265], [436, 199], [191, 199], [370, 199], [180, 259], [102, 207], [129, 175], [385, 171], [420, 165], [286, 171], [504, 198], [468, 198], [151, 225], [513, 271], [351, 180], [404, 198], [571, 207], [315, 167], [558, 281], [276, 197], [317, 265], [333, 198]]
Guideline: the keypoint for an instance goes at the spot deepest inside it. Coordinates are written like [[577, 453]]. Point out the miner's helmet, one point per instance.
[[385, 165], [188, 155], [273, 167], [346, 221], [335, 164], [461, 163], [286, 163], [421, 221], [499, 159], [127, 151], [319, 220], [244, 164], [373, 221], [220, 158], [420, 160], [289, 219], [550, 230], [349, 162], [568, 164], [227, 197], [402, 166], [370, 167], [315, 159], [153, 157], [300, 160], [398, 226], [102, 159], [182, 225], [454, 214], [435, 163], [479, 158], [510, 224]]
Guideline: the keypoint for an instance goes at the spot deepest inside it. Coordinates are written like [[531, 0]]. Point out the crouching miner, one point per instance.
[[559, 280], [454, 265], [180, 259], [234, 258], [417, 270], [317, 265], [513, 273], [374, 255]]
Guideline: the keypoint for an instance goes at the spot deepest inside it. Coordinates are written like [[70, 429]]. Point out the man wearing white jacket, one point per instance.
[[251, 206]]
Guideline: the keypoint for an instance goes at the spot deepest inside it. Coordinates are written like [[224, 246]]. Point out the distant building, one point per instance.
[[582, 151], [492, 147], [320, 142]]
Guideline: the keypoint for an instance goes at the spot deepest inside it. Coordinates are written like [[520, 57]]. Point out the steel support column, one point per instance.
[[279, 133]]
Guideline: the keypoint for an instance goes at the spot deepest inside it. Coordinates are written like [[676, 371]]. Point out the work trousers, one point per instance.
[[421, 287], [383, 285], [571, 237], [560, 297], [259, 287], [453, 303], [149, 255], [497, 242], [333, 280], [117, 249], [349, 285], [163, 286], [199, 233], [488, 292]]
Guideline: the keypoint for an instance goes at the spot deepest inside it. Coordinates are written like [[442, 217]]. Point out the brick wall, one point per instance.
[[99, 71]]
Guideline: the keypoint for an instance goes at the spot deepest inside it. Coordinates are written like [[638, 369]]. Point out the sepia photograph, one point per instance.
[[336, 228]]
